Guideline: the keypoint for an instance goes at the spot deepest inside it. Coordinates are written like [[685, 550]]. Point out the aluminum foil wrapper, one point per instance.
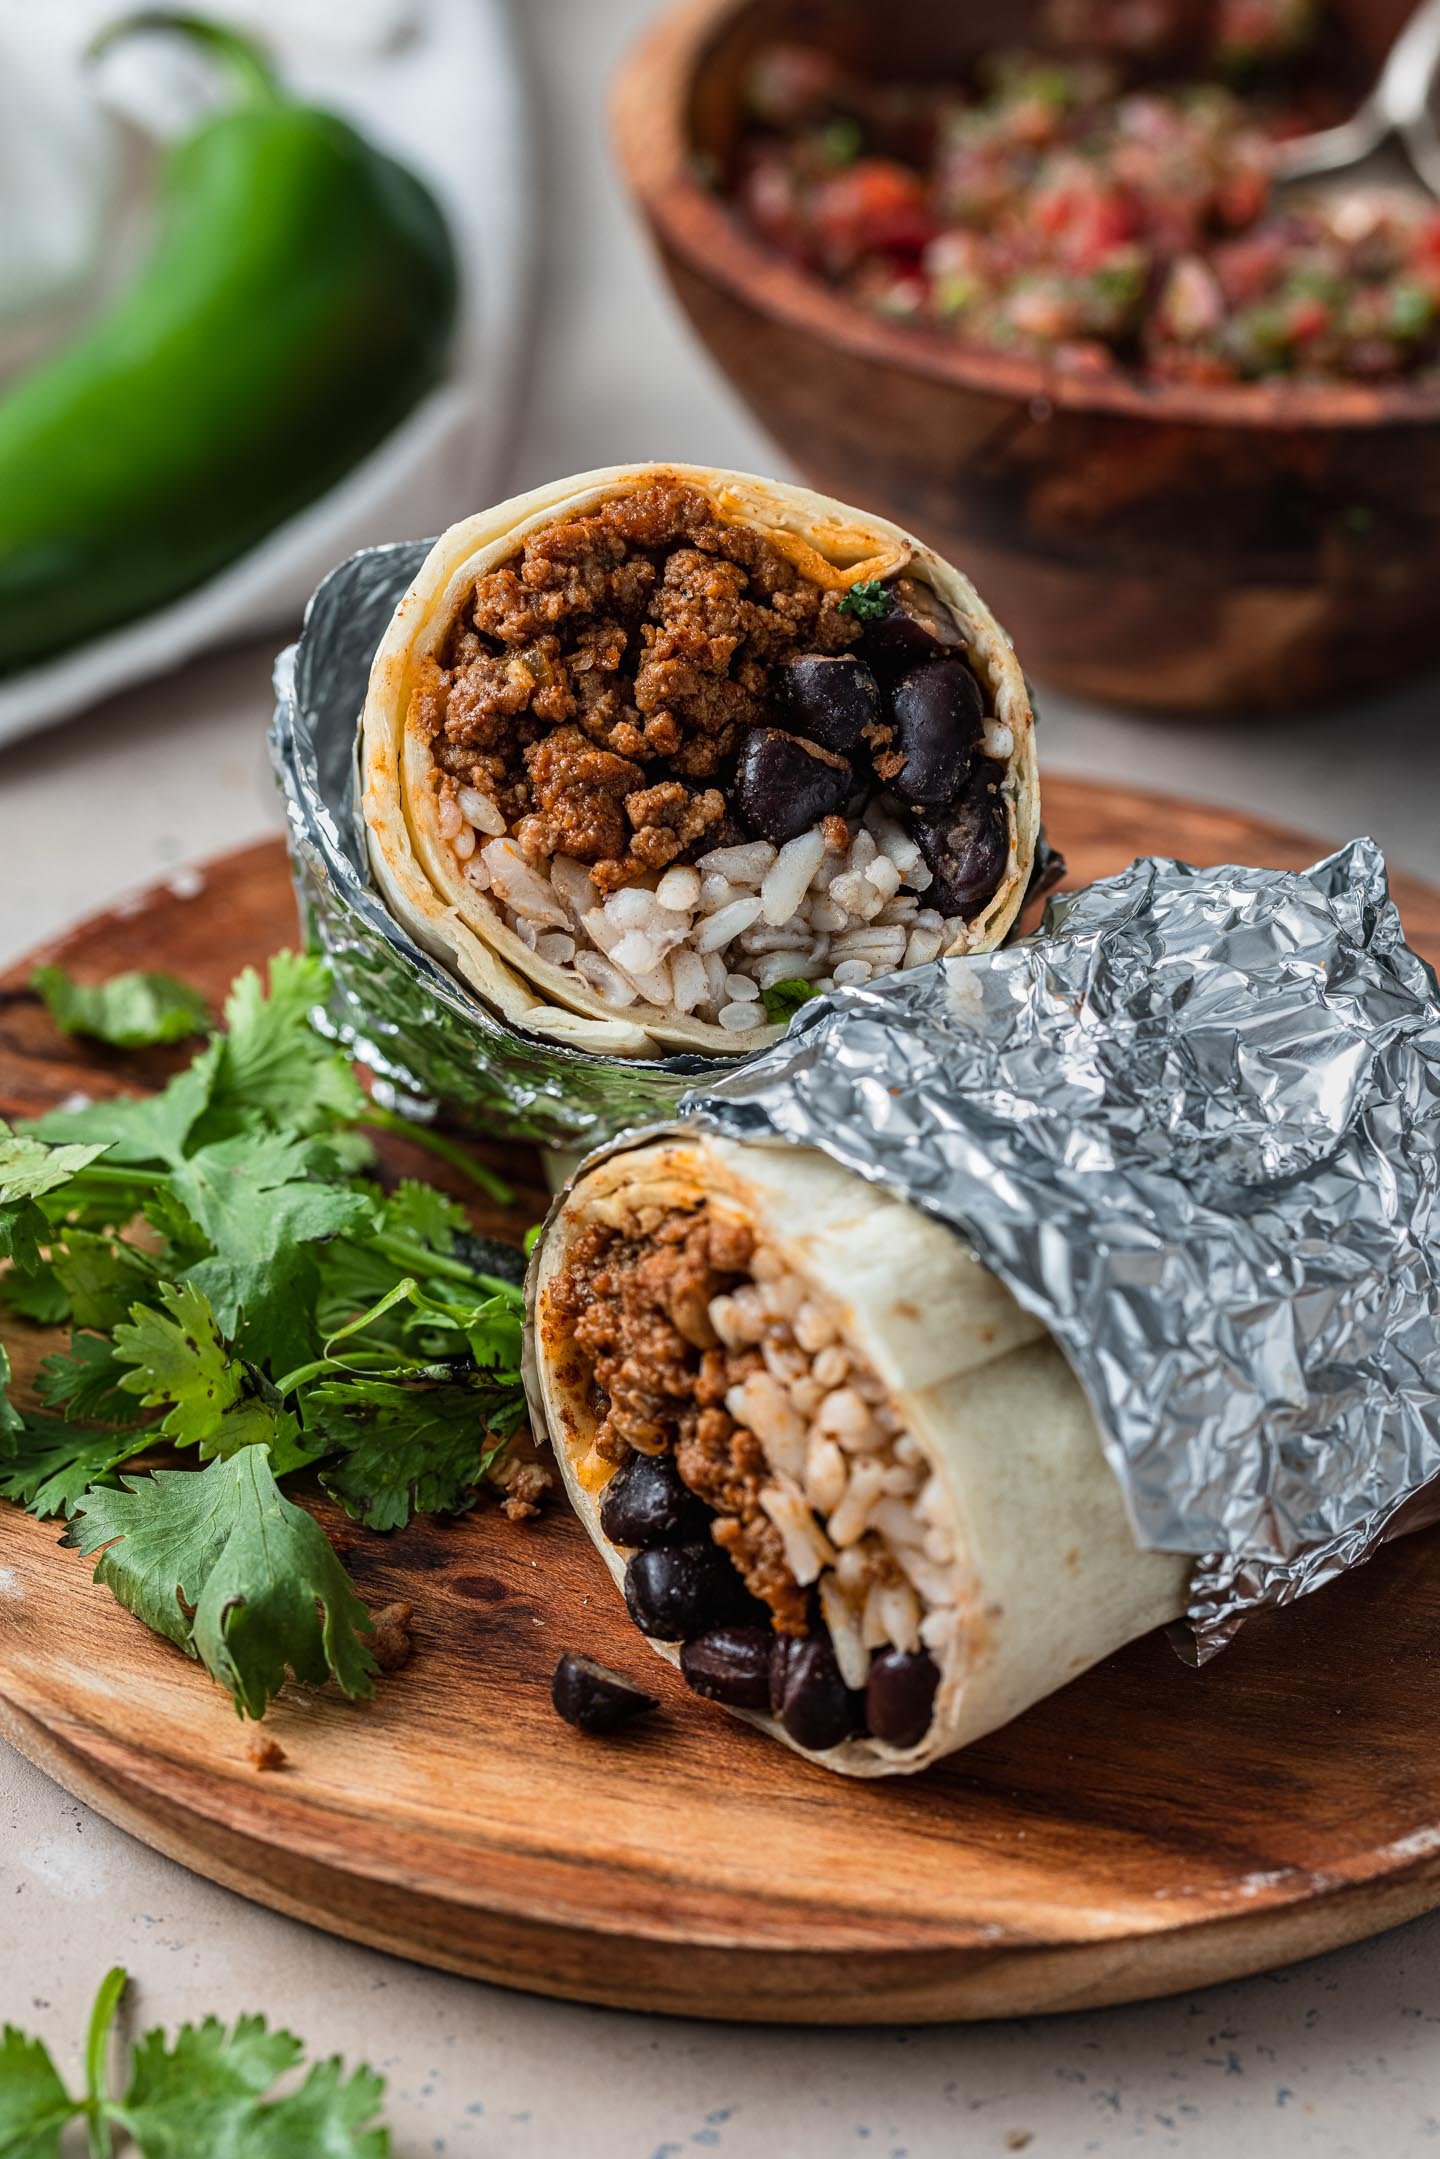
[[431, 1043], [1194, 1123]]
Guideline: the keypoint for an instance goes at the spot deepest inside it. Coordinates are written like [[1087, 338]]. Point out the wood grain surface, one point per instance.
[[1150, 1828]]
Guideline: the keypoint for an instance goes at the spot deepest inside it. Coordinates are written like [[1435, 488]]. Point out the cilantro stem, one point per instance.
[[100, 1173], [446, 1150], [97, 2047], [326, 1367], [420, 1260]]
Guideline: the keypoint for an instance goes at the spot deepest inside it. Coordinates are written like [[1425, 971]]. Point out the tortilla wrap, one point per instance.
[[1047, 1577], [427, 889]]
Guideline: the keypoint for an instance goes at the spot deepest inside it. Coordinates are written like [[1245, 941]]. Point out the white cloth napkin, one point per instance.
[[439, 83]]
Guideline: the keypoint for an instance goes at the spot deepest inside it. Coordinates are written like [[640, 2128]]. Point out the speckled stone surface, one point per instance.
[[1338, 2057]]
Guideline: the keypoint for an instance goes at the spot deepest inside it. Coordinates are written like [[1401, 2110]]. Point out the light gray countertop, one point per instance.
[[1335, 2057]]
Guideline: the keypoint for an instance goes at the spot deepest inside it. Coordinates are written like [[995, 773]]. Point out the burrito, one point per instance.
[[652, 755], [843, 1479]]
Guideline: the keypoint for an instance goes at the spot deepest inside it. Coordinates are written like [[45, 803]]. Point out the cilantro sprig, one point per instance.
[[244, 1297], [209, 2089], [131, 1012], [868, 600], [782, 1000]]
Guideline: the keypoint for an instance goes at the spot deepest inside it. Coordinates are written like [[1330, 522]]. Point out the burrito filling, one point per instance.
[[782, 1523], [681, 768], [1107, 200]]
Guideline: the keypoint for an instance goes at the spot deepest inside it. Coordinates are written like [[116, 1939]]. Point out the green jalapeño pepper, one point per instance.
[[297, 303]]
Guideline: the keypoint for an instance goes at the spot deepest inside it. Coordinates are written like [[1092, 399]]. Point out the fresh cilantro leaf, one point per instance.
[[783, 999], [48, 1467], [84, 1381], [102, 1278], [131, 1011], [273, 1064], [420, 1449], [29, 1169], [220, 1562], [842, 141], [332, 2116], [421, 1212], [10, 1418], [358, 1275], [495, 1332], [256, 1201], [180, 1362], [184, 2097], [140, 1129], [208, 2092], [36, 1294], [869, 601], [34, 2104]]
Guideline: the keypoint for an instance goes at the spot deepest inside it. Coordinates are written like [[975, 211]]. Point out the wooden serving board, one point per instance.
[[1150, 1828]]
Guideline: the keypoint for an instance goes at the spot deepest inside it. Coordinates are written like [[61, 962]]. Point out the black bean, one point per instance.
[[829, 697], [938, 715], [646, 1503], [730, 1664], [807, 1693], [487, 1255], [593, 1698], [917, 627], [784, 786], [900, 1696], [676, 1590], [967, 845]]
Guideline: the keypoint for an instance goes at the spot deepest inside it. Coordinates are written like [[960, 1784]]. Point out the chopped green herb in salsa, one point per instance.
[[1106, 204]]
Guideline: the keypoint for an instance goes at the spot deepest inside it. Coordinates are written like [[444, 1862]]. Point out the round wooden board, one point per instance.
[[1150, 1828]]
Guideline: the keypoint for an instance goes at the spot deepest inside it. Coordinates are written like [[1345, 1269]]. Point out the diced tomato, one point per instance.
[[1306, 320], [1068, 205], [1248, 268], [1241, 197], [874, 207]]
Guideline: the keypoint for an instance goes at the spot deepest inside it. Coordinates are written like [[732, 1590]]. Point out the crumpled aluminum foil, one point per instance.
[[1194, 1123], [432, 1044]]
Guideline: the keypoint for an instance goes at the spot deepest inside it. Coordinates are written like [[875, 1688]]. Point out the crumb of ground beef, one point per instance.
[[638, 1308], [641, 632], [390, 1644], [525, 1484], [754, 1545], [265, 1753]]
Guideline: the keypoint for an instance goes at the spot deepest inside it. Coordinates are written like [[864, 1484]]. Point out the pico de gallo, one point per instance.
[[1089, 203]]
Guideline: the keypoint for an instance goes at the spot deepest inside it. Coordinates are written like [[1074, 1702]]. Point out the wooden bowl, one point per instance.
[[1177, 548]]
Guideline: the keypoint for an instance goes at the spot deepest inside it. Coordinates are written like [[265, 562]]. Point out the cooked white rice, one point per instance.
[[858, 1508], [707, 940]]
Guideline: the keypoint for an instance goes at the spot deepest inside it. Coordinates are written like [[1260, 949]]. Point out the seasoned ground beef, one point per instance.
[[642, 632], [639, 1310]]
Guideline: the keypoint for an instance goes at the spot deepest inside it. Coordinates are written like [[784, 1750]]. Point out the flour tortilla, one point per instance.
[[425, 887], [1053, 1579]]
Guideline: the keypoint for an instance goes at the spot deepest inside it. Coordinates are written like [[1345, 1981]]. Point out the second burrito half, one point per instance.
[[842, 1477]]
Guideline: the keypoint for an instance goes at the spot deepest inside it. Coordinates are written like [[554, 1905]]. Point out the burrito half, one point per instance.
[[652, 754], [843, 1479]]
